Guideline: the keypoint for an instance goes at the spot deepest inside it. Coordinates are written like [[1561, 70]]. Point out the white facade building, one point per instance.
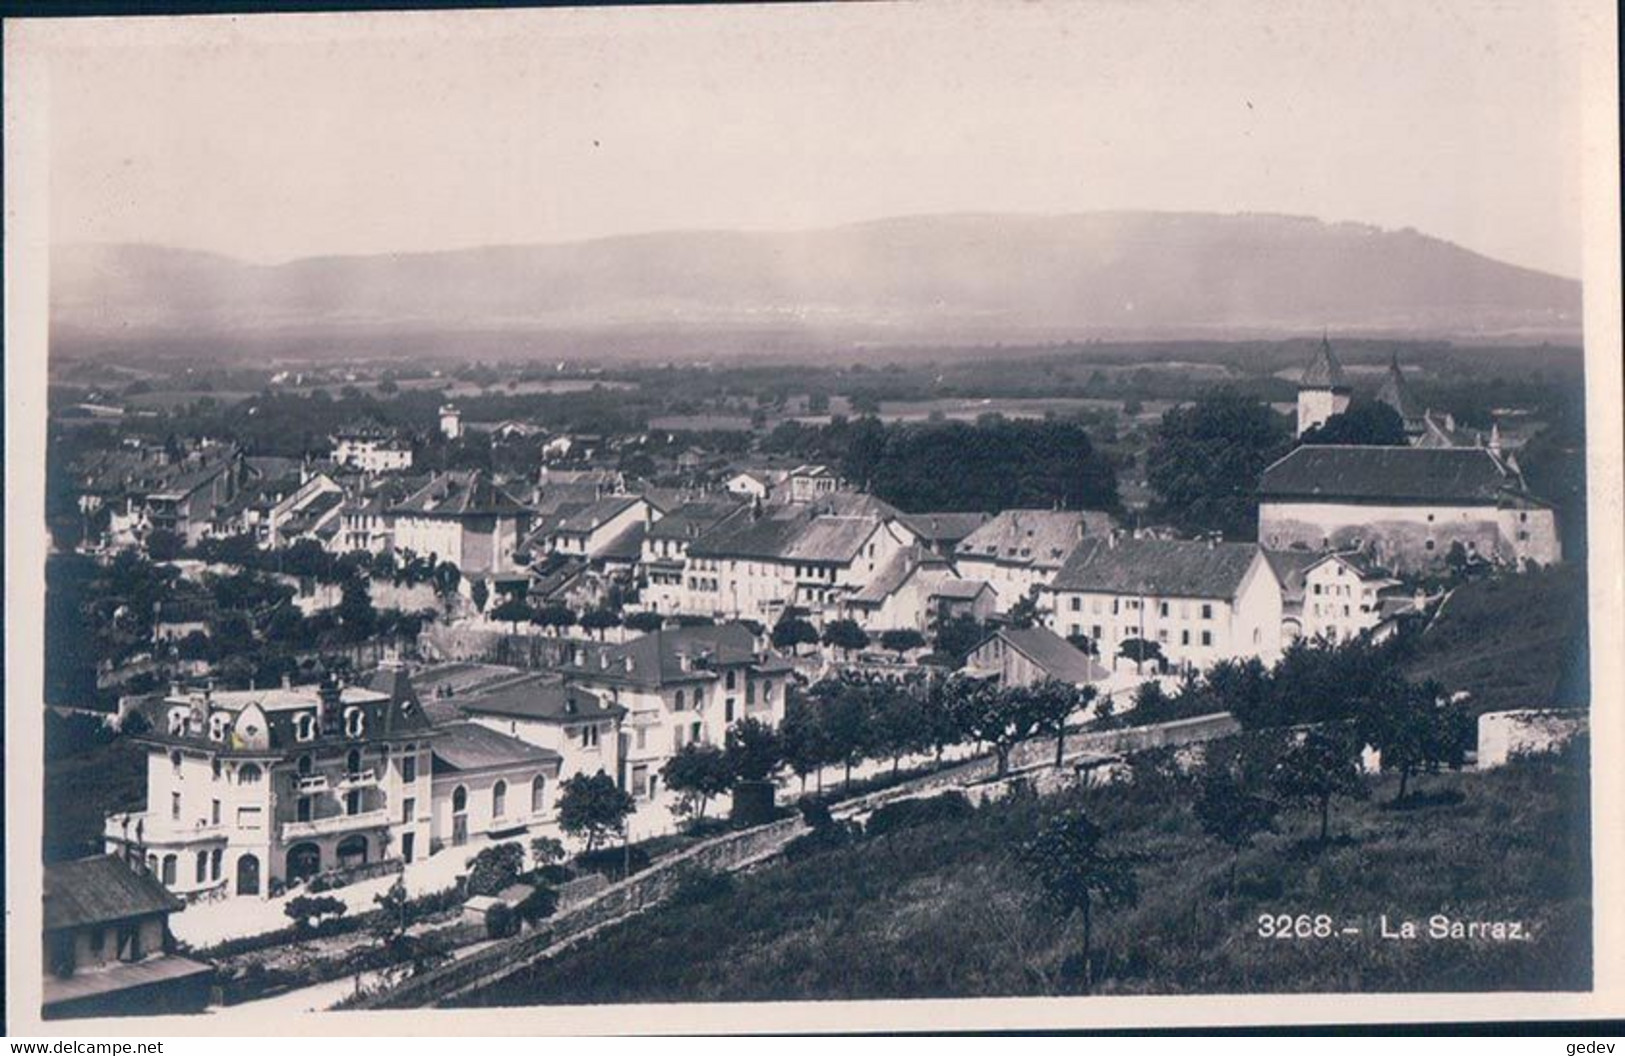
[[1199, 601]]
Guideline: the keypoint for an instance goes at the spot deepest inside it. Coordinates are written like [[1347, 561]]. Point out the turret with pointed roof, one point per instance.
[[1323, 390], [1396, 393]]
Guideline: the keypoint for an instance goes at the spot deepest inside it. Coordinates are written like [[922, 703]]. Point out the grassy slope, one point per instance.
[[1512, 641], [942, 911]]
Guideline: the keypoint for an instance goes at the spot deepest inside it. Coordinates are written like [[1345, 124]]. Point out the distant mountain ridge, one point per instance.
[[970, 277]]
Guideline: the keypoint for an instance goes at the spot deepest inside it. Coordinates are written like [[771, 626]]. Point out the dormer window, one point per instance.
[[355, 721], [304, 726], [177, 721], [217, 726]]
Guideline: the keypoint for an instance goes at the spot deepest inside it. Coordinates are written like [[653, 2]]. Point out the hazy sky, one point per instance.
[[274, 137]]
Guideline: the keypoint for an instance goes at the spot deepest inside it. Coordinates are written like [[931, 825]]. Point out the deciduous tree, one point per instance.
[[593, 807], [1078, 873]]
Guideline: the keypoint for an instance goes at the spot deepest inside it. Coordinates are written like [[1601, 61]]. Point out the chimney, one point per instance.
[[328, 713], [287, 681], [629, 663]]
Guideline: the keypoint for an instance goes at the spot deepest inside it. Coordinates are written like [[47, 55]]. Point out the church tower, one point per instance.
[[1323, 390]]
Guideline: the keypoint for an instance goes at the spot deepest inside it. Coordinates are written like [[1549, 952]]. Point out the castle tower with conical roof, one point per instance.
[[1397, 394], [1323, 390]]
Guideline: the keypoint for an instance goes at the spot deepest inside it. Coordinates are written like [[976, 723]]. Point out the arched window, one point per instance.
[[355, 721], [538, 794], [499, 799], [202, 866], [214, 863], [248, 775], [177, 721], [352, 762], [304, 726], [459, 800], [305, 765], [170, 866], [682, 701]]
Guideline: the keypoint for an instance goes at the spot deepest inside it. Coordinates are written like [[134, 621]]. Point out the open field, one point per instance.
[[943, 910]]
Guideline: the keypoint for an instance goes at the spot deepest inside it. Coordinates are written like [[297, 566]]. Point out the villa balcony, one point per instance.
[[370, 819], [310, 783], [358, 779]]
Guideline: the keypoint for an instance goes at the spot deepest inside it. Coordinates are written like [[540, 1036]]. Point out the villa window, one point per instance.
[[355, 722], [352, 802], [214, 812], [409, 767], [352, 762], [171, 864], [304, 766], [177, 721], [538, 793], [730, 679], [248, 775], [215, 860], [202, 867], [304, 726], [1207, 637], [301, 809], [499, 799], [680, 703], [175, 805], [1207, 614], [175, 762], [459, 800]]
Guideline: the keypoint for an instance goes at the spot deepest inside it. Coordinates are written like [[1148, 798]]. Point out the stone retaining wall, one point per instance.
[[645, 889], [1504, 735]]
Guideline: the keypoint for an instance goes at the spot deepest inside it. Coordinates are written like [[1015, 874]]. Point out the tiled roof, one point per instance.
[[1323, 371], [97, 890], [1289, 567], [1397, 394], [1057, 657], [1039, 538], [462, 493], [1161, 567], [943, 527], [541, 698], [832, 539], [595, 515], [628, 545], [690, 520], [404, 713], [657, 657], [1395, 474], [465, 746], [750, 533], [965, 589]]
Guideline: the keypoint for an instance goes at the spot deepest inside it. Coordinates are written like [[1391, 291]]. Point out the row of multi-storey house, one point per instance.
[[249, 791]]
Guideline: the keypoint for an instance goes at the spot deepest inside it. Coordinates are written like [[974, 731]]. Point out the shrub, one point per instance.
[[501, 921], [613, 862], [909, 813], [306, 912], [494, 868]]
